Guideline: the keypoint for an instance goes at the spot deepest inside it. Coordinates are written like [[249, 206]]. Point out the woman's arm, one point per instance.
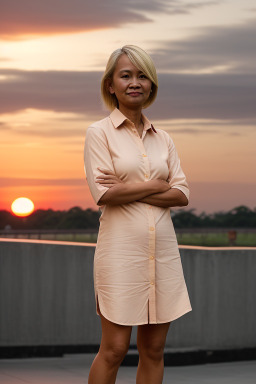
[[122, 193], [171, 198]]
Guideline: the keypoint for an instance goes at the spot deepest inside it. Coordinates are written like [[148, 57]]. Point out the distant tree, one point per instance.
[[74, 218], [78, 218], [237, 217], [186, 219]]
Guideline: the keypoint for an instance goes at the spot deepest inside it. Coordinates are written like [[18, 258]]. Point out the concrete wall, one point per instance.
[[47, 297]]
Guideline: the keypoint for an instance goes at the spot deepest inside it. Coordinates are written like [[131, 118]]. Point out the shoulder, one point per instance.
[[100, 125], [99, 128], [165, 136]]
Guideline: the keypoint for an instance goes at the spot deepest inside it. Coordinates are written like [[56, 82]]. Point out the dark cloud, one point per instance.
[[61, 91], [210, 96], [181, 96], [23, 19], [227, 48]]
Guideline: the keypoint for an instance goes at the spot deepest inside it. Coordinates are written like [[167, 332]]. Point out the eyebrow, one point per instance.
[[127, 70]]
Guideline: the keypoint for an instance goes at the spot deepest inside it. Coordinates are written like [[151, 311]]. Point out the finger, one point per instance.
[[105, 177], [106, 182], [108, 178]]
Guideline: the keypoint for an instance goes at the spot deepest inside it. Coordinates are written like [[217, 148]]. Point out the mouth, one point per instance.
[[134, 93]]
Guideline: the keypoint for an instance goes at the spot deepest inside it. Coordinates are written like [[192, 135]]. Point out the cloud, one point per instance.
[[222, 196], [215, 96], [213, 49], [25, 19], [20, 20], [61, 91], [5, 59], [181, 96], [180, 7], [50, 133], [22, 182], [4, 126]]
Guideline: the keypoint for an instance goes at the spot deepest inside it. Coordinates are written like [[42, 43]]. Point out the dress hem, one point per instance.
[[141, 323]]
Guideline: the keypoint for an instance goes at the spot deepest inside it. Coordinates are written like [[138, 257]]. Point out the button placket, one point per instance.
[[151, 244], [151, 231], [151, 247]]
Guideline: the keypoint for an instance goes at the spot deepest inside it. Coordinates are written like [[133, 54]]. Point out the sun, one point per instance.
[[22, 206]]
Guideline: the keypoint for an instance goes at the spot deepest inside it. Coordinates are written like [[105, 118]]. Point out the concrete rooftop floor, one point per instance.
[[74, 369]]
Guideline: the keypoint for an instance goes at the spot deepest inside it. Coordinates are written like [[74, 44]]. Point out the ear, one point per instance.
[[109, 86], [111, 89]]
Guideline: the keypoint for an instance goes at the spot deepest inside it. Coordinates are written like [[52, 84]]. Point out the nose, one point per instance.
[[134, 83]]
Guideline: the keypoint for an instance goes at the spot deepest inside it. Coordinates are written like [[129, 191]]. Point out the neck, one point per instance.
[[132, 114]]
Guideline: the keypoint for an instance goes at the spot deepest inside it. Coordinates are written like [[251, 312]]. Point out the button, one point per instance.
[[151, 257], [152, 283], [146, 175], [151, 228]]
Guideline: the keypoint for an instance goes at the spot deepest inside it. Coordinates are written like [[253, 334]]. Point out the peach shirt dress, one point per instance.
[[137, 270]]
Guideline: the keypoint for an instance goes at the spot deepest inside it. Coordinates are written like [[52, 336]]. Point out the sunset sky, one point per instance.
[[52, 56]]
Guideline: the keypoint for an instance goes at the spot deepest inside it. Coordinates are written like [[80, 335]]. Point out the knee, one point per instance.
[[153, 352], [114, 354]]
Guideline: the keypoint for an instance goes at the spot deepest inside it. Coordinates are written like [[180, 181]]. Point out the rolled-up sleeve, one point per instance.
[[177, 178], [96, 154]]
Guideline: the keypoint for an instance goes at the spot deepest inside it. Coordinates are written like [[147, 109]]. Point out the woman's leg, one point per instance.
[[150, 343], [115, 341]]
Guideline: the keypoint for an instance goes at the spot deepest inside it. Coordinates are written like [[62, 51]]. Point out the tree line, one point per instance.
[[78, 218]]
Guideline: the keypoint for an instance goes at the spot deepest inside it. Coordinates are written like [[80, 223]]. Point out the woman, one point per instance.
[[134, 175]]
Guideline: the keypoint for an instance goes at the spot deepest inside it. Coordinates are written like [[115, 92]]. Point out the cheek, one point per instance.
[[120, 86], [148, 87]]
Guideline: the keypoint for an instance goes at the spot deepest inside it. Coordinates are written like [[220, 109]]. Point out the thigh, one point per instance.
[[114, 336], [152, 336]]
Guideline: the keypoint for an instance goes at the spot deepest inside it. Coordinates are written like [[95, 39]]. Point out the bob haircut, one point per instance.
[[141, 60]]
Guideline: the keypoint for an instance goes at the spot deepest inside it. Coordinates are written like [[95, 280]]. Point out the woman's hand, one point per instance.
[[108, 179]]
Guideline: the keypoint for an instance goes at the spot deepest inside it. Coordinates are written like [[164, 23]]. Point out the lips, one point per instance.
[[134, 93]]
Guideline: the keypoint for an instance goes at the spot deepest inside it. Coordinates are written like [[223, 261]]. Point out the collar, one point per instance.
[[117, 118]]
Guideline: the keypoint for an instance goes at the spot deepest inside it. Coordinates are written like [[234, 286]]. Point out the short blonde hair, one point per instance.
[[141, 60]]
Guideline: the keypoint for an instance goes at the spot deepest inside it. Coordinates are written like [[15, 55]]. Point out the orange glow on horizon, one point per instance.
[[22, 206]]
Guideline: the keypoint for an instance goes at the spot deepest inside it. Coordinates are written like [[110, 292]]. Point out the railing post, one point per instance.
[[232, 237]]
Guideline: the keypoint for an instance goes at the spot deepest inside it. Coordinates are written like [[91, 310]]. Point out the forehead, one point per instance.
[[124, 63]]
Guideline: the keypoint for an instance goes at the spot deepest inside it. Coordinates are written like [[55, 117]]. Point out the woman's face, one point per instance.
[[129, 84]]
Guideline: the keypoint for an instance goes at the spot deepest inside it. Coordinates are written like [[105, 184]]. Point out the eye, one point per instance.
[[125, 76], [143, 76]]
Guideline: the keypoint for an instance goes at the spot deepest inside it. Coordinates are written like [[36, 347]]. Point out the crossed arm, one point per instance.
[[154, 192]]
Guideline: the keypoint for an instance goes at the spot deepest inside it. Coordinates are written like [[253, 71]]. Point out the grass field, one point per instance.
[[216, 239], [203, 239]]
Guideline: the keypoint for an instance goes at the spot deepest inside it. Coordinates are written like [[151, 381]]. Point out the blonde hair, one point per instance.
[[141, 60]]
